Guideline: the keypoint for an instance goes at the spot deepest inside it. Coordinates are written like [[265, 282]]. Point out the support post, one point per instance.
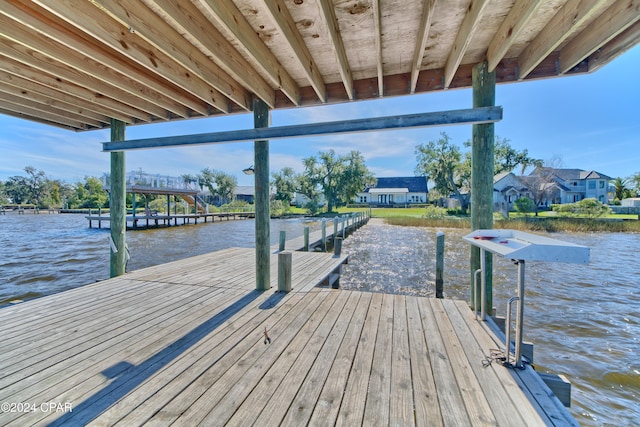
[[283, 240], [337, 246], [482, 159], [117, 203], [284, 271], [324, 235], [439, 264], [306, 239], [262, 119]]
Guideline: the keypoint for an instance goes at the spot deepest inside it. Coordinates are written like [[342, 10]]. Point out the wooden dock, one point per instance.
[[141, 222], [185, 343]]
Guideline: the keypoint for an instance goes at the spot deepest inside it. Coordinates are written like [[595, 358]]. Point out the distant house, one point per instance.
[[395, 191], [558, 186]]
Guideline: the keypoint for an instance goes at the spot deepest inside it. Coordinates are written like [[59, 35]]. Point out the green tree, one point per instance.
[[339, 178], [507, 158], [17, 189], [225, 184], [3, 196], [90, 194], [441, 162], [622, 189], [37, 184], [635, 181], [525, 205], [286, 183]]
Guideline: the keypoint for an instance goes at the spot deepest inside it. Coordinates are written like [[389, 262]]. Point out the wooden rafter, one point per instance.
[[146, 24], [226, 15], [188, 20], [72, 109], [511, 28], [45, 64], [572, 15], [285, 24], [90, 19], [90, 109], [330, 21], [377, 25], [114, 108], [468, 28], [604, 28], [18, 107], [421, 41], [616, 47], [81, 63]]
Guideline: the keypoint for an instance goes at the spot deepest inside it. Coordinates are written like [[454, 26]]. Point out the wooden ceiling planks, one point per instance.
[[143, 61]]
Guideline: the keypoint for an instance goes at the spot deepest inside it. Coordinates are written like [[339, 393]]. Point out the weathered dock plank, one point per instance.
[[185, 343]]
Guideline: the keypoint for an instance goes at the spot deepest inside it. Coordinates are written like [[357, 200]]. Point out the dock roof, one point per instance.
[[76, 64]]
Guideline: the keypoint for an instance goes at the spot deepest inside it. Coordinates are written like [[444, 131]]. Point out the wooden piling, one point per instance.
[[482, 155], [324, 235], [439, 264], [337, 246], [261, 118], [117, 203], [283, 239], [284, 271], [306, 239]]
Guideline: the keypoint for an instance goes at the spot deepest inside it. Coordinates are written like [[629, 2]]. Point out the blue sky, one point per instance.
[[588, 121]]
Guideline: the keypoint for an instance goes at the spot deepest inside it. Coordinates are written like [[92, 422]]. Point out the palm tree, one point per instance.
[[622, 191]]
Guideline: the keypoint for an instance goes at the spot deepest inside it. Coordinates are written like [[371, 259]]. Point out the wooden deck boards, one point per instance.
[[184, 343]]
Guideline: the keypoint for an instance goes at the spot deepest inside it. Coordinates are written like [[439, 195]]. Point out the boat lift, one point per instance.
[[520, 247]]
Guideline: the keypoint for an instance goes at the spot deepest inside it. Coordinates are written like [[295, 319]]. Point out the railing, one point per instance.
[[141, 179]]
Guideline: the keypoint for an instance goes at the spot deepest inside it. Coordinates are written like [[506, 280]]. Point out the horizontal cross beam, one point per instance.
[[440, 118]]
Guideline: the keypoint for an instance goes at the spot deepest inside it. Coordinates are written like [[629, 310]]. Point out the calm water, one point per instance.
[[583, 320]]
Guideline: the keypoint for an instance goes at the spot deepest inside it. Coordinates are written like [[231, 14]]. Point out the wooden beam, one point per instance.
[[482, 159], [45, 105], [421, 41], [511, 27], [287, 27], [329, 17], [616, 47], [15, 70], [613, 21], [92, 21], [225, 14], [81, 63], [117, 205], [185, 17], [30, 111], [572, 15], [377, 25], [44, 95], [146, 24], [467, 29], [59, 31], [468, 116], [26, 55], [36, 119], [262, 119]]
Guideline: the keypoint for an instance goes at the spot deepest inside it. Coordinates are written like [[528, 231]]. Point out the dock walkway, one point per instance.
[[191, 343]]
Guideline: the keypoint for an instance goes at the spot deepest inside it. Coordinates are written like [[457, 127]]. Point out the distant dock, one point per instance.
[[139, 222]]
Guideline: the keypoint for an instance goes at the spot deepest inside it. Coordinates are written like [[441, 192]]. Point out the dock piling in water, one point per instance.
[[439, 264]]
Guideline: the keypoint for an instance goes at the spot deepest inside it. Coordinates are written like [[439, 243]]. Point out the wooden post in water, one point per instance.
[[284, 271], [306, 239], [324, 235], [482, 159], [337, 246], [117, 203], [283, 239], [261, 119], [439, 264]]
